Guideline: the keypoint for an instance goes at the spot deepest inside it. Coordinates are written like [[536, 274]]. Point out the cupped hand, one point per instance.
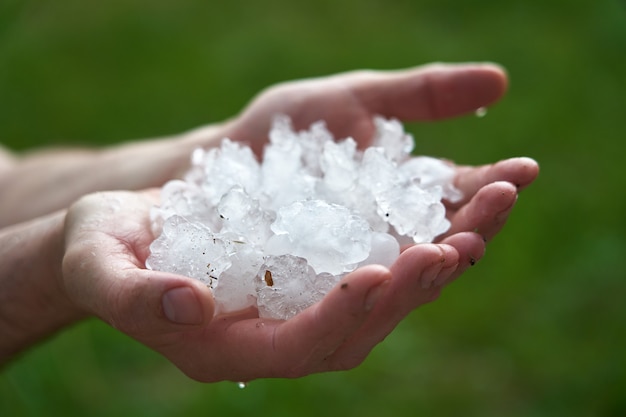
[[107, 243], [108, 237], [348, 102]]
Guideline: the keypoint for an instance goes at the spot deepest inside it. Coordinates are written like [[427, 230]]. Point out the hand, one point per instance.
[[107, 239], [347, 102]]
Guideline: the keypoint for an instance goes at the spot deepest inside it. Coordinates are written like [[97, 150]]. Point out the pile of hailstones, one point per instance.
[[279, 234]]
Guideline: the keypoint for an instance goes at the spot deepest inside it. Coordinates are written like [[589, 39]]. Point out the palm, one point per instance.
[[110, 247], [109, 235], [305, 102]]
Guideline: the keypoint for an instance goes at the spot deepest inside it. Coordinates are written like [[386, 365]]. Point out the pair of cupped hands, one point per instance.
[[107, 238]]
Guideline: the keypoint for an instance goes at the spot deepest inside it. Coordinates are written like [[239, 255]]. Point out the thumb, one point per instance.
[[183, 305], [150, 303], [140, 302], [177, 300]]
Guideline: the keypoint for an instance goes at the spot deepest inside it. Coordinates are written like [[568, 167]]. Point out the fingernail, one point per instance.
[[181, 306], [374, 294]]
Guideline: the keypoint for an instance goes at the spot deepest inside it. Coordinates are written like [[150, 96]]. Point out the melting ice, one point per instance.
[[278, 234]]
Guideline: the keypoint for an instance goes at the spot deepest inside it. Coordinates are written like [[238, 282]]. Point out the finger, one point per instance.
[[413, 284], [487, 211], [470, 247], [520, 172], [305, 342], [429, 92]]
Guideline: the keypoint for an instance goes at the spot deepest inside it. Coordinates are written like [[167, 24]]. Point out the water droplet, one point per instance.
[[481, 112], [242, 385]]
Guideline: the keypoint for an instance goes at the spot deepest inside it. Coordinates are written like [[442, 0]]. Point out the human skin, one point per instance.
[[61, 265]]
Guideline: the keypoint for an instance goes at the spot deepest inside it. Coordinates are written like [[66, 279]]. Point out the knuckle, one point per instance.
[[125, 308]]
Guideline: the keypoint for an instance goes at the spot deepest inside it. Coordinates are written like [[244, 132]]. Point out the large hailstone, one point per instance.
[[278, 235], [329, 236]]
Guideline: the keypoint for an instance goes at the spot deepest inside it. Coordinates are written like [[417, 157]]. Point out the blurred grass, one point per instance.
[[536, 329]]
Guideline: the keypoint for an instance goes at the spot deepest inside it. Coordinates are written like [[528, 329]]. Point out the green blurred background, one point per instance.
[[537, 328]]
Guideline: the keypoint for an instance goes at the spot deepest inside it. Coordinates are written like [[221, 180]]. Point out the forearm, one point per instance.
[[43, 182], [33, 304], [7, 161]]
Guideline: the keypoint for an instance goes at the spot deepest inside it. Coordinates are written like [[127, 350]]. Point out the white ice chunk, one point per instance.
[[313, 142], [183, 199], [284, 179], [285, 286], [189, 249], [385, 250], [413, 212], [230, 165], [377, 173], [431, 174], [390, 135], [243, 217], [339, 166], [235, 289], [279, 234], [330, 237]]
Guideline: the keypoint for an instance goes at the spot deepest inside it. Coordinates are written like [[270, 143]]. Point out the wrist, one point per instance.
[[207, 136], [33, 302], [151, 163]]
